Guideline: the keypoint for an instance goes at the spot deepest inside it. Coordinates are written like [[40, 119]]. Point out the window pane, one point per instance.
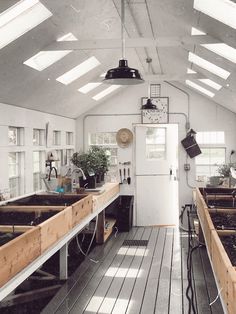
[[207, 163], [155, 143], [56, 137], [13, 165], [36, 161], [211, 156], [36, 137], [14, 187], [214, 138], [69, 138], [12, 136]]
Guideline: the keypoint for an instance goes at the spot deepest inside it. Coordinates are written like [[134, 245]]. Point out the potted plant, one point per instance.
[[94, 163], [99, 159], [224, 171], [83, 161]]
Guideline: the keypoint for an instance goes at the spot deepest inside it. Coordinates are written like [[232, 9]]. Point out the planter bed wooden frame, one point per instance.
[[225, 271], [66, 212]]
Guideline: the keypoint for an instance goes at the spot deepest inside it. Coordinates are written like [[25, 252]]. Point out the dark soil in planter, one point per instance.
[[51, 266], [48, 200], [20, 218], [229, 243], [224, 221], [231, 203], [5, 237]]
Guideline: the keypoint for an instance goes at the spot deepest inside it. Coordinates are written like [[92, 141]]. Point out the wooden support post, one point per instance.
[[100, 228], [64, 262], [200, 234]]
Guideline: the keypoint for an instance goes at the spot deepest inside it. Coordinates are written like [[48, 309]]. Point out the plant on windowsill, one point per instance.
[[224, 171]]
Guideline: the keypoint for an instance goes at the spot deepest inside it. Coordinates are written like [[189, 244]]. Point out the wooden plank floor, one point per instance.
[[138, 279]]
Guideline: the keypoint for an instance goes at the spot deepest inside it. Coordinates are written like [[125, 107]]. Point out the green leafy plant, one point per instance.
[[95, 160], [224, 170], [99, 159]]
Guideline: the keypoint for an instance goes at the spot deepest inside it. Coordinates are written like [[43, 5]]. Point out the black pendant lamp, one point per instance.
[[123, 74], [149, 104]]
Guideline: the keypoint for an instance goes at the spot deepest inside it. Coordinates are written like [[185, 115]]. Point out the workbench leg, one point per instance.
[[100, 228], [64, 262]]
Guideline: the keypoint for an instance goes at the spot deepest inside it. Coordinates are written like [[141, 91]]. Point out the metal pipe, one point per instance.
[[187, 94]]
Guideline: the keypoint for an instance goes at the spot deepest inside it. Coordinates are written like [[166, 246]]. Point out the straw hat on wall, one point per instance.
[[124, 137]]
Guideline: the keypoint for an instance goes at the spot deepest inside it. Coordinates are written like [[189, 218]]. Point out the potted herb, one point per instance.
[[94, 163], [83, 161], [224, 171], [100, 161]]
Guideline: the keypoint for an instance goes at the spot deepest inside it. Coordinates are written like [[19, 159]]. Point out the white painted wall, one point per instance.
[[28, 119], [204, 115]]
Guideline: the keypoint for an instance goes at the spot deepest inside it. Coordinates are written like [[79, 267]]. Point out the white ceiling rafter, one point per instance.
[[132, 43]]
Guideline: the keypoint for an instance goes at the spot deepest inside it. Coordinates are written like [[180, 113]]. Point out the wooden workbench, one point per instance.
[[100, 202], [224, 271]]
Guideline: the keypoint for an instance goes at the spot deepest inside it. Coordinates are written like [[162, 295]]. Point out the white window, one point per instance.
[[56, 138], [15, 168], [69, 138], [156, 143], [60, 160], [213, 154], [15, 136], [69, 153], [108, 141], [208, 162], [210, 138], [38, 158], [38, 137]]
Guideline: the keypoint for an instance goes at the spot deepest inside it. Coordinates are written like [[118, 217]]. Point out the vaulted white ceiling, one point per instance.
[[157, 29]]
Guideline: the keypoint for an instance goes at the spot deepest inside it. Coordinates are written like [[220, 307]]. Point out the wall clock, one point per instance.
[[158, 115]]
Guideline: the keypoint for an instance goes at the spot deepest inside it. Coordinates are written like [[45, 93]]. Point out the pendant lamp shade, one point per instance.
[[123, 75], [149, 105]]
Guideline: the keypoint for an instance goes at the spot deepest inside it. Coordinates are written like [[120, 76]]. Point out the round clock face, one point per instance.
[[159, 115]]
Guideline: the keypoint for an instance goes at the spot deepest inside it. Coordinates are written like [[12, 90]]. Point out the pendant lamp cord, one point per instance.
[[149, 61], [123, 28]]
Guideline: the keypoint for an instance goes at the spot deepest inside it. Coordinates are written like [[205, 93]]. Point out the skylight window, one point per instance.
[[195, 31], [78, 71], [106, 91], [211, 83], [88, 87], [190, 71], [21, 18], [44, 59], [222, 50], [200, 88], [221, 10], [67, 37], [211, 67]]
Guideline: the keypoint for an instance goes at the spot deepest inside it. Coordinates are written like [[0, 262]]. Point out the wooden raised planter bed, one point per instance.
[[39, 221], [217, 213]]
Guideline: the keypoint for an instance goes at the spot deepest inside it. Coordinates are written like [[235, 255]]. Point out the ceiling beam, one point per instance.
[[131, 43]]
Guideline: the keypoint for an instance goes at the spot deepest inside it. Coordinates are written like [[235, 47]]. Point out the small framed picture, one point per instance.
[[158, 115]]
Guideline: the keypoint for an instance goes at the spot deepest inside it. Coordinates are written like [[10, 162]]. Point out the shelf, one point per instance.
[[110, 222]]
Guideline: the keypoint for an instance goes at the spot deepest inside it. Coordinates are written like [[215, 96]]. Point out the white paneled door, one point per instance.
[[156, 168]]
